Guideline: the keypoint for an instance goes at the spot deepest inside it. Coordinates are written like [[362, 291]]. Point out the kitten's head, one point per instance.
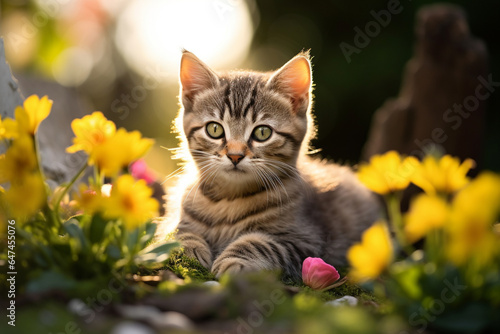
[[241, 126]]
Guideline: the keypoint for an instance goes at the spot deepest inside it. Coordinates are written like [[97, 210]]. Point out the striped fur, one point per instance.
[[243, 204]]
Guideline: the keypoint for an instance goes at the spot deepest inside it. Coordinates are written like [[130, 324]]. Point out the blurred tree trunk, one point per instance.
[[444, 92]]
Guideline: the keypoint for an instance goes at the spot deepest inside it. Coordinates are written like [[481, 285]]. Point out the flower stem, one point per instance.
[[396, 219], [49, 215], [432, 245], [98, 178], [38, 156], [66, 189]]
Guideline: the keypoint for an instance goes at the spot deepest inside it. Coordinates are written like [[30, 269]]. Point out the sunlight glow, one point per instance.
[[151, 33]]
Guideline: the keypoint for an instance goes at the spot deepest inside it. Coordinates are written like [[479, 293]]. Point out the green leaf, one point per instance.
[[149, 234], [153, 256], [132, 238], [114, 252], [75, 231], [151, 261], [97, 228], [39, 257], [159, 248], [50, 280], [63, 249], [408, 277]]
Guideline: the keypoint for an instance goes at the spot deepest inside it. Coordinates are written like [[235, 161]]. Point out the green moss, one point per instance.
[[187, 268]]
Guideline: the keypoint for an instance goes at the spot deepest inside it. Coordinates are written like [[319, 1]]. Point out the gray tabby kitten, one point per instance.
[[250, 197]]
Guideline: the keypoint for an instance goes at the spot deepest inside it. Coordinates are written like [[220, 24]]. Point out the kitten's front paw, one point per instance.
[[232, 265], [203, 255], [196, 247]]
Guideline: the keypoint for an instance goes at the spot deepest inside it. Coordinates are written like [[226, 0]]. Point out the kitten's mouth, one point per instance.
[[235, 169]]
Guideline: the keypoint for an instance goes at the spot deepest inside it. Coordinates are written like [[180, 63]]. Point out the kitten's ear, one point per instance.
[[294, 80], [195, 76]]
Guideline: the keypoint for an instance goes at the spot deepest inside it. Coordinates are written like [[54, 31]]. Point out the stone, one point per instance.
[[137, 312], [172, 320], [153, 316], [211, 283], [10, 95], [343, 301], [54, 133], [129, 327], [196, 304]]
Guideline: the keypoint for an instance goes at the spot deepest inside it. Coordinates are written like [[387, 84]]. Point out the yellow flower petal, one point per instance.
[[8, 129], [19, 160], [119, 151], [426, 213], [90, 132], [387, 173], [445, 175], [131, 201], [470, 231], [88, 199], [369, 258], [33, 112], [25, 197]]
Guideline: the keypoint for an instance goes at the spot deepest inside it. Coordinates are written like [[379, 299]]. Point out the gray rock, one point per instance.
[[172, 320], [211, 283], [77, 306], [129, 327], [155, 317], [10, 95], [344, 301], [54, 134], [138, 312], [197, 304]]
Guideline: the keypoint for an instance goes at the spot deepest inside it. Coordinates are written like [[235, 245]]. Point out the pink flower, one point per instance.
[[139, 170], [319, 275]]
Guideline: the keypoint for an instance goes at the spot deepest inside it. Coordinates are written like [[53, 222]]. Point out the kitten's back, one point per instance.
[[341, 206]]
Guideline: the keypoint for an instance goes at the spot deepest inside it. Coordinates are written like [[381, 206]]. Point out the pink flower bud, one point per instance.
[[139, 170], [317, 274]]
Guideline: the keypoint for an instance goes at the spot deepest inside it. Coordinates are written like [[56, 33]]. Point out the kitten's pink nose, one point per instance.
[[235, 158]]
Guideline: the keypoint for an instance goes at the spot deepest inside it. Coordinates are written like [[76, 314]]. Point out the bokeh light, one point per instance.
[[152, 33]]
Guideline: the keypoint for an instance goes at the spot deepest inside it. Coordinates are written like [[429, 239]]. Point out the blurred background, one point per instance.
[[122, 57]]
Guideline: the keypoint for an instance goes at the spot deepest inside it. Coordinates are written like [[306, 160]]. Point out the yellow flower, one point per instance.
[[119, 151], [369, 258], [33, 112], [8, 129], [90, 132], [426, 213], [131, 200], [87, 199], [25, 197], [109, 149], [19, 160], [387, 173], [445, 175], [470, 231]]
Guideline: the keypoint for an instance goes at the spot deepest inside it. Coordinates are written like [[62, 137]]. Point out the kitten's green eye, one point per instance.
[[215, 130], [262, 133]]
